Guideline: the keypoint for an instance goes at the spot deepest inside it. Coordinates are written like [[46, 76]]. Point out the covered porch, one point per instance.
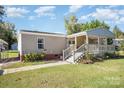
[[95, 42]]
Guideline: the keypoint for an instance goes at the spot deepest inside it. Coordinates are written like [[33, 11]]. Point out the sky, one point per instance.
[[51, 18]]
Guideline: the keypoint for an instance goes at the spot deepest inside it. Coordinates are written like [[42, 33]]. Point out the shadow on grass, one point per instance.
[[1, 72], [111, 58], [117, 57]]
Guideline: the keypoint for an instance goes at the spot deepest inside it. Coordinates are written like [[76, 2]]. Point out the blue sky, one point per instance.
[[51, 18]]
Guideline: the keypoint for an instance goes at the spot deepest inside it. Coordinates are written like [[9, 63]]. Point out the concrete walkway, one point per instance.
[[26, 68]]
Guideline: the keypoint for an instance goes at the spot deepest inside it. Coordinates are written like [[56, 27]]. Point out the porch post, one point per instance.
[[98, 44], [75, 42], [106, 45], [87, 43], [67, 42]]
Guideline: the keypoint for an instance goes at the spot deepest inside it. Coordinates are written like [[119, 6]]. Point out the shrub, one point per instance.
[[88, 58], [33, 57], [109, 55]]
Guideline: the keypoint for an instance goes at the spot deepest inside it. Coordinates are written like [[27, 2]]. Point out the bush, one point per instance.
[[33, 57], [88, 58], [109, 55]]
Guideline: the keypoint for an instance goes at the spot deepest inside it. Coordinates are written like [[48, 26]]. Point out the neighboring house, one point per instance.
[[117, 42], [71, 47], [3, 45], [14, 46]]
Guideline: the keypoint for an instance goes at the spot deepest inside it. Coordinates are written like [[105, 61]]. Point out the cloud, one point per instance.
[[112, 6], [120, 21], [84, 17], [74, 8], [16, 12], [92, 6], [45, 11], [31, 17], [105, 14]]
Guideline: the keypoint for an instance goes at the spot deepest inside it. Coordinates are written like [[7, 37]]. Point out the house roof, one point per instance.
[[95, 32], [41, 33]]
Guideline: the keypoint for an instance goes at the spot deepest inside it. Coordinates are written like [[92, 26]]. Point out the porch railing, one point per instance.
[[100, 48], [90, 48], [68, 52], [78, 53]]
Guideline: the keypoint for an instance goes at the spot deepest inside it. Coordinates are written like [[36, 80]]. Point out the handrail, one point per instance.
[[67, 52], [80, 49], [68, 48]]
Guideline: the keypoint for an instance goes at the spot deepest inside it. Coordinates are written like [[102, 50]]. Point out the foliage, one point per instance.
[[122, 45], [109, 55], [7, 30], [9, 54], [117, 32], [33, 57], [94, 24], [2, 13], [88, 56], [8, 33], [109, 41], [73, 26]]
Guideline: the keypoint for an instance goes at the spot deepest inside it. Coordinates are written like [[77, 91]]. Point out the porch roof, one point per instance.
[[94, 32]]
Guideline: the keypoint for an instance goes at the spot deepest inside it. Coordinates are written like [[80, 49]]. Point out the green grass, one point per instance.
[[120, 53], [13, 53], [21, 64], [9, 54], [107, 74]]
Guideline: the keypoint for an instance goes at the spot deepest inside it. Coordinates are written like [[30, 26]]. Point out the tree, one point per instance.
[[8, 33], [117, 32], [94, 24], [7, 30], [2, 13], [122, 45], [71, 25]]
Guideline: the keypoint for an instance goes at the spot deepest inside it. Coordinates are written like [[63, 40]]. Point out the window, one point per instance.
[[40, 44], [69, 42], [73, 42]]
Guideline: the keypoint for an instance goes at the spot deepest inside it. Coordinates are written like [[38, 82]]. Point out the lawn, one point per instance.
[[21, 64], [9, 54], [13, 53], [107, 74]]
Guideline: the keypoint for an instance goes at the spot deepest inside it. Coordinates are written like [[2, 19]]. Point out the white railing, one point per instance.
[[111, 48], [93, 48], [90, 48], [68, 52], [79, 52], [83, 47]]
